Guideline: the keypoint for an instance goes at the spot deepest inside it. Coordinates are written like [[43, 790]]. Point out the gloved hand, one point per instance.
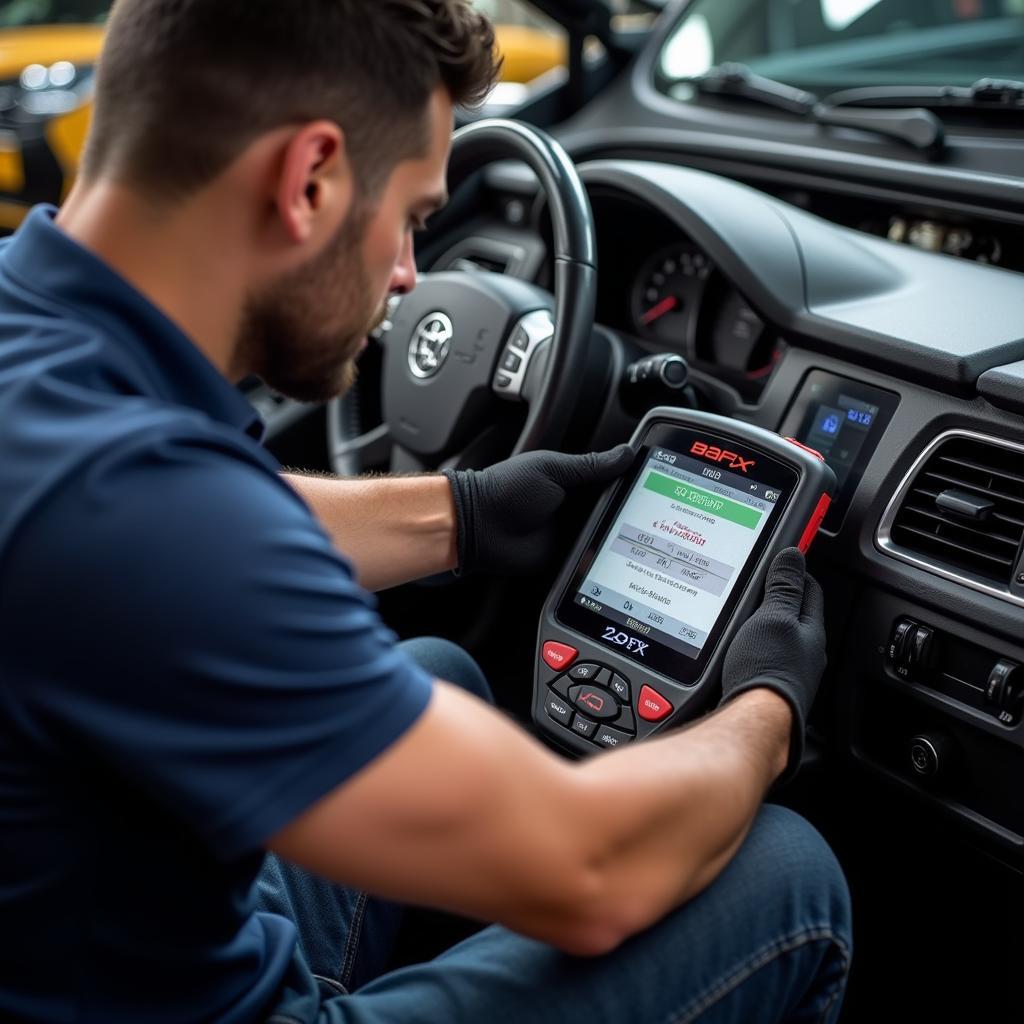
[[504, 512], [782, 646]]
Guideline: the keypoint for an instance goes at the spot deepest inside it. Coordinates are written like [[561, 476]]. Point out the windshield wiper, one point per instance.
[[738, 80], [985, 94], [915, 126]]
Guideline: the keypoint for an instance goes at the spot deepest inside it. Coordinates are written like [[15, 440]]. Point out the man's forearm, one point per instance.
[[393, 530], [588, 854], [683, 805]]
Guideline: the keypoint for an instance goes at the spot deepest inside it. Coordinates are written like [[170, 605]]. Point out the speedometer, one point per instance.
[[667, 293]]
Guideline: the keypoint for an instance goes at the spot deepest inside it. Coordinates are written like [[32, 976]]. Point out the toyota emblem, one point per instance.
[[430, 345]]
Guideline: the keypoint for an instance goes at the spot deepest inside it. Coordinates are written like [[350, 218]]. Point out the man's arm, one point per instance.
[[393, 529], [467, 812], [498, 519]]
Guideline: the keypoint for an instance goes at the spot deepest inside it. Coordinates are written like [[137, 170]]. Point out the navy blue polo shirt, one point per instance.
[[186, 663]]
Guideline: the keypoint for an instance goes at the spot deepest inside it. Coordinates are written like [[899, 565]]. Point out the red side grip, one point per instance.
[[811, 530], [806, 448]]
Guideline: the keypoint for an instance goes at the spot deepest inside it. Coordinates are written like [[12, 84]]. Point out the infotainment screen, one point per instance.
[[676, 547]]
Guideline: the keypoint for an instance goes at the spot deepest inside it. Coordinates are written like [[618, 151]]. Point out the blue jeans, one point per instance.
[[768, 940]]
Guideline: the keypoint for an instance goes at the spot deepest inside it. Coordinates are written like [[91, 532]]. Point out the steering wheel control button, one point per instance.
[[558, 709], [584, 726], [511, 362], [620, 688], [558, 656], [533, 330], [594, 701], [606, 736], [520, 340], [651, 706]]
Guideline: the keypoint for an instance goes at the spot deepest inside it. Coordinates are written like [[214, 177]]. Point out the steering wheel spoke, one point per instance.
[[349, 456], [405, 462]]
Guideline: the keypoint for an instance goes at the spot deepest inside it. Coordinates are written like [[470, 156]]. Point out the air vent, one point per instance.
[[960, 511]]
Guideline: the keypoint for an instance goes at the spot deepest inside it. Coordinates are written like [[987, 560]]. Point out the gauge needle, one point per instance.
[[666, 305]]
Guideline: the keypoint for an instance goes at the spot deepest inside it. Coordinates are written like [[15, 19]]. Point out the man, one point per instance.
[[190, 674]]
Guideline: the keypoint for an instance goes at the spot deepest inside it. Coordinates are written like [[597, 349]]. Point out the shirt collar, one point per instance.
[[51, 264]]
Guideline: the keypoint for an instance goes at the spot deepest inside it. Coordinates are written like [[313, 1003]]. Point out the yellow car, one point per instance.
[[528, 52], [48, 50], [48, 53]]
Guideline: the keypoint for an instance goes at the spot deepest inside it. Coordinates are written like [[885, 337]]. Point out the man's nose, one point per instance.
[[403, 278]]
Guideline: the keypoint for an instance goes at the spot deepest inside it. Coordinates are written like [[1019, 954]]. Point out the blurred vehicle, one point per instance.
[[48, 50], [530, 44], [529, 51]]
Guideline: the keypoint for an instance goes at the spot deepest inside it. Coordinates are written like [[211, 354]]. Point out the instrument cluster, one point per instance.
[[681, 302]]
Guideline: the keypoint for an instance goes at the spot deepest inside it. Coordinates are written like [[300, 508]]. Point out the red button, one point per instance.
[[806, 448], [651, 706], [814, 522], [558, 656]]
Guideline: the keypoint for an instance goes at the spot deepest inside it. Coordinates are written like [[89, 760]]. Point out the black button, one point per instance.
[[510, 361], [584, 726], [594, 701], [519, 340], [584, 672], [626, 720], [502, 380], [606, 736], [558, 709], [561, 686], [620, 688]]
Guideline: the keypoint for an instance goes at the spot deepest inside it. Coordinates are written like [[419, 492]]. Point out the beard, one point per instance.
[[303, 334]]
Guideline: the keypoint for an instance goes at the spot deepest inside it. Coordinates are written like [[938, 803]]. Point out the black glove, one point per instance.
[[782, 646], [504, 512]]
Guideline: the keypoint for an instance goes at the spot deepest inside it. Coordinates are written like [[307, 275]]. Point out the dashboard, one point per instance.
[[893, 344]]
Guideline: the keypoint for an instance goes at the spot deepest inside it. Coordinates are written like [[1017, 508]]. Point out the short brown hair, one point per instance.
[[184, 86]]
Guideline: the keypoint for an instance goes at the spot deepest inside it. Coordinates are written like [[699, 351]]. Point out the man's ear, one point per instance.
[[315, 185]]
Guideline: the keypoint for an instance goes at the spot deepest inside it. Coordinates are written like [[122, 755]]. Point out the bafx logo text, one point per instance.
[[720, 455]]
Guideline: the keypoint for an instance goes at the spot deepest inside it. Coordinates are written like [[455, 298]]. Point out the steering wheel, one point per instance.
[[464, 344]]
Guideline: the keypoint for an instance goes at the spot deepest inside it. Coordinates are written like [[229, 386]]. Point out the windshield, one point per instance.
[[25, 13], [825, 45]]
